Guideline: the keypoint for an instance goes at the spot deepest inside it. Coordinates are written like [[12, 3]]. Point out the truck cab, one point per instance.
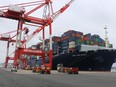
[[14, 69]]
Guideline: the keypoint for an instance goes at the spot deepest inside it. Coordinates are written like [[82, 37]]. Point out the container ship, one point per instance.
[[75, 49]]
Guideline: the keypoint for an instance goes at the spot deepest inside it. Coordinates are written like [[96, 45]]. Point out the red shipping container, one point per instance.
[[85, 38]]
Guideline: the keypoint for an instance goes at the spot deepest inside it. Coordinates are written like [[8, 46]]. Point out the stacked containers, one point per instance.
[[64, 45], [87, 39], [72, 40], [56, 46], [65, 40], [101, 42], [97, 40], [31, 61], [78, 40], [69, 40]]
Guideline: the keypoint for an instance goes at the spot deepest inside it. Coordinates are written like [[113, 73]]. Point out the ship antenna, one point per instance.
[[106, 37]]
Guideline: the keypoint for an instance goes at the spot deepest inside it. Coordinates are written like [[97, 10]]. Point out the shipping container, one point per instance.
[[96, 39], [100, 40], [65, 41], [39, 62], [95, 36], [56, 38], [103, 44], [85, 38], [72, 33], [65, 38], [65, 44], [73, 38], [86, 42], [87, 47], [65, 47], [88, 35], [78, 41], [95, 43], [79, 36], [72, 44], [91, 42]]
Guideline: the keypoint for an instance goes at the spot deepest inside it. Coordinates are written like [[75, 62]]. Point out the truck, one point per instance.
[[13, 69], [69, 70], [36, 69], [41, 69]]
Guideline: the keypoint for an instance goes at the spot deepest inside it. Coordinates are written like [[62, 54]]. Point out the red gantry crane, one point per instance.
[[10, 39], [18, 12]]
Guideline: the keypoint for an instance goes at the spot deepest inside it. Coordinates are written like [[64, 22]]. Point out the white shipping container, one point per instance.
[[16, 9], [89, 47], [72, 44]]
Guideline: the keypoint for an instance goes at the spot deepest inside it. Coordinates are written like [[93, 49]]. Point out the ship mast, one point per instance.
[[106, 37]]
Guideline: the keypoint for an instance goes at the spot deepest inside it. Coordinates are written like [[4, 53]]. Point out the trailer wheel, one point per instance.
[[42, 72], [69, 72], [48, 72], [33, 71], [76, 73]]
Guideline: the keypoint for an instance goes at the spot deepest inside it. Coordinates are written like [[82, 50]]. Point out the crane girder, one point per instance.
[[29, 51], [8, 39], [32, 19]]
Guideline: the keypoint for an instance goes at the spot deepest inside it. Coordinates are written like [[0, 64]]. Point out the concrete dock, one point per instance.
[[25, 78]]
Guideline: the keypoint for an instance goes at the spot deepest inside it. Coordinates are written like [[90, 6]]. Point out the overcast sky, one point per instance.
[[87, 16]]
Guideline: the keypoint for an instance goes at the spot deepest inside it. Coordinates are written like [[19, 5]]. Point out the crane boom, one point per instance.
[[35, 20], [57, 13]]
